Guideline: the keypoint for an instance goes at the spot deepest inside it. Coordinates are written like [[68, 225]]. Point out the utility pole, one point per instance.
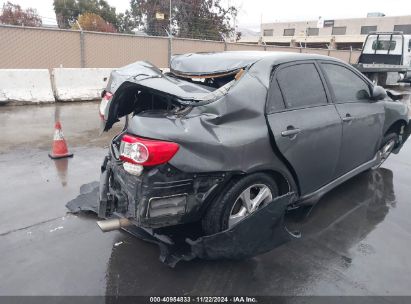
[[170, 36], [82, 50], [261, 29], [169, 18]]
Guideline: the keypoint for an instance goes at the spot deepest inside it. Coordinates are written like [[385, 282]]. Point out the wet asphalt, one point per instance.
[[355, 241]]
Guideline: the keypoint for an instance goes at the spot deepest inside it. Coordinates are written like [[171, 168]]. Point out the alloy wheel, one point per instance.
[[385, 151], [250, 200]]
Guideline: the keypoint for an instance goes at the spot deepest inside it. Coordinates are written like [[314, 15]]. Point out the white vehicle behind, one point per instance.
[[386, 58]]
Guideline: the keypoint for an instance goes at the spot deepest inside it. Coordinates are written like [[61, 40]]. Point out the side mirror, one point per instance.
[[378, 93]]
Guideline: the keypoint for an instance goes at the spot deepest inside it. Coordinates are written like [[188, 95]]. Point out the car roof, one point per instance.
[[223, 62]]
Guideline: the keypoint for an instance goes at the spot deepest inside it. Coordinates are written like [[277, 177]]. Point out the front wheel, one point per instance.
[[388, 144], [239, 200]]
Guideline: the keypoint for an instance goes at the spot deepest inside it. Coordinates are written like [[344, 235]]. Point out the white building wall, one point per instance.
[[325, 35], [353, 25]]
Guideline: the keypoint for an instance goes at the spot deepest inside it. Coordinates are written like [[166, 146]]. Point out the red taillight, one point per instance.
[[103, 104], [146, 152]]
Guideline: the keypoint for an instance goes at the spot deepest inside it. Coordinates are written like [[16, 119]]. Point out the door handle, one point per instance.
[[347, 118], [290, 132]]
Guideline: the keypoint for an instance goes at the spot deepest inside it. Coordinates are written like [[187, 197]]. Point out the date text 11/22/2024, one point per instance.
[[205, 299]]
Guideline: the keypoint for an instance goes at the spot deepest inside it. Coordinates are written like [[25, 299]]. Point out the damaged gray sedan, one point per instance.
[[221, 135]]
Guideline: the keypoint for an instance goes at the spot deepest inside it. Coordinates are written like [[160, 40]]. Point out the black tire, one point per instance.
[[387, 138], [217, 215]]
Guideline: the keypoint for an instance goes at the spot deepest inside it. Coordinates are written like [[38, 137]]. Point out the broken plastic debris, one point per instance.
[[87, 200], [261, 232], [57, 228]]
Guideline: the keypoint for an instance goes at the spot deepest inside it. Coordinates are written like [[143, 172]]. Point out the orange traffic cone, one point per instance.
[[59, 148]]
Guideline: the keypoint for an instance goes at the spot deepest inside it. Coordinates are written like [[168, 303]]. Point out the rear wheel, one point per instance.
[[388, 144], [240, 199]]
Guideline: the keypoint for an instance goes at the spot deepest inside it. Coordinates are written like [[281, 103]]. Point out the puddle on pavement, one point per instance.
[[62, 170]]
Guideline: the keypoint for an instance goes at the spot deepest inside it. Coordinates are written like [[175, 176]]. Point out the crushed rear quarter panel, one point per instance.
[[229, 134]]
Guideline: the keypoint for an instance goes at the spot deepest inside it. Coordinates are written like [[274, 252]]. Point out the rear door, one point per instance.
[[363, 119], [306, 128]]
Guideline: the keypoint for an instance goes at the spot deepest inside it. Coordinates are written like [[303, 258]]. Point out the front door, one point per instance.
[[363, 119], [306, 128]]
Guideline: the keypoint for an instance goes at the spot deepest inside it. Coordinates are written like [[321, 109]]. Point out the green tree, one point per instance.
[[68, 11], [13, 14], [126, 22], [200, 19], [204, 19], [151, 16]]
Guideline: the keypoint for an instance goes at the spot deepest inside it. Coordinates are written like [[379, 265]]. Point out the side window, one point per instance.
[[346, 85], [275, 100], [301, 86]]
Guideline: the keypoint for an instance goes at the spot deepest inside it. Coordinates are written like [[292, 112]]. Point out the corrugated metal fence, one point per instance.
[[25, 47]]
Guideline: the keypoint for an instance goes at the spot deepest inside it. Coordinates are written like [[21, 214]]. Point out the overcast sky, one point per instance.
[[252, 11]]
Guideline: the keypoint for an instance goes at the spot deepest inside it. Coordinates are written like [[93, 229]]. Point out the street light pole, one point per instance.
[[170, 36]]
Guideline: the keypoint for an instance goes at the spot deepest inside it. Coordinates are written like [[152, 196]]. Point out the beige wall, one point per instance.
[[283, 49], [113, 50], [27, 48], [37, 48], [244, 47], [181, 46]]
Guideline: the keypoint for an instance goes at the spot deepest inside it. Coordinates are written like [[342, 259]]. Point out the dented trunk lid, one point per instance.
[[143, 75]]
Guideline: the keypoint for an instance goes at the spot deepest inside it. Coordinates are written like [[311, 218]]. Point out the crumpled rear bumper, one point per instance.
[[261, 232], [162, 196]]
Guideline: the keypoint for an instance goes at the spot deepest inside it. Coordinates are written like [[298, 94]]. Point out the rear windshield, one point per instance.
[[215, 81], [384, 45]]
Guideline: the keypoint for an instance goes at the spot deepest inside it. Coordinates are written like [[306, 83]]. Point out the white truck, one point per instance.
[[386, 58]]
